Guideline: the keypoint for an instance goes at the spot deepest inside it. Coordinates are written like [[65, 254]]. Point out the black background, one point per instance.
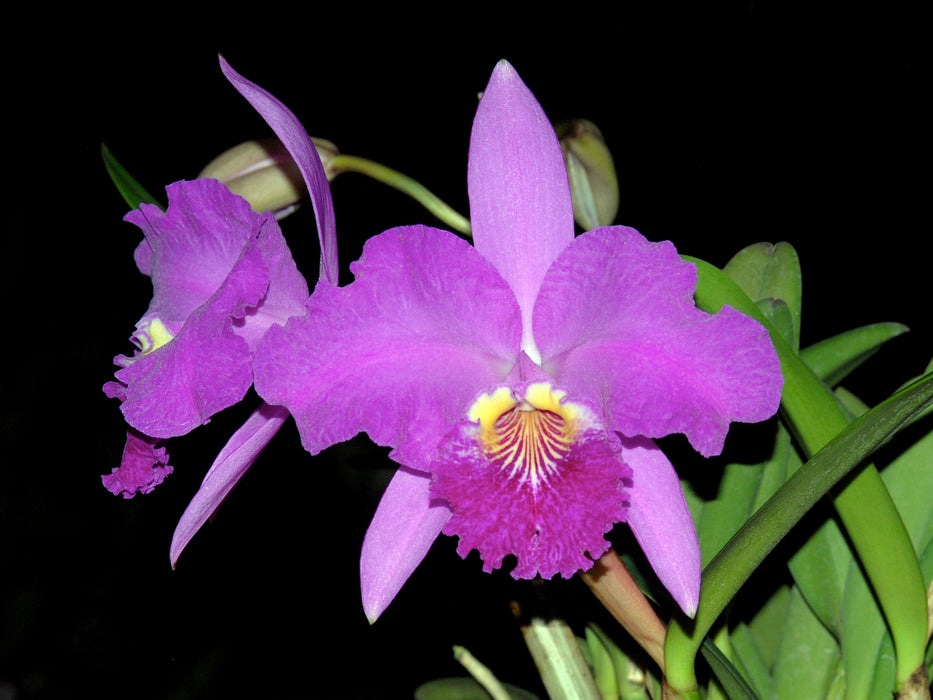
[[754, 121]]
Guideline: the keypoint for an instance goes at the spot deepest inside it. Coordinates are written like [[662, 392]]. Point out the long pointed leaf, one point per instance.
[[133, 193]]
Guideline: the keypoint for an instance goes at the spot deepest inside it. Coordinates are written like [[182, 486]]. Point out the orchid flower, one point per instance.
[[222, 275], [520, 382]]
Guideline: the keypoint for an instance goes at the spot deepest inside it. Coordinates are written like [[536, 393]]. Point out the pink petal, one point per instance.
[[661, 522], [234, 460], [616, 322], [400, 353], [520, 206], [402, 531], [143, 467], [294, 137]]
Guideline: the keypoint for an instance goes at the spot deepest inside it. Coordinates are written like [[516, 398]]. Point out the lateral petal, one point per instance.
[[661, 522], [401, 352], [205, 368], [294, 137], [616, 322], [234, 460], [406, 523]]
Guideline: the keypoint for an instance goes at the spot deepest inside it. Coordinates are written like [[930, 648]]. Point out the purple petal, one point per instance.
[[520, 206], [552, 518], [234, 460], [402, 531], [294, 137], [143, 467], [189, 249], [288, 290], [616, 322], [661, 522], [401, 352], [204, 369]]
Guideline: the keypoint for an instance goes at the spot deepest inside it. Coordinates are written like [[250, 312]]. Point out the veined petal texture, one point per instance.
[[616, 323], [400, 353], [520, 207]]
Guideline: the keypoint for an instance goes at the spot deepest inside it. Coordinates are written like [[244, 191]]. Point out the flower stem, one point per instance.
[[863, 504], [403, 183], [615, 588], [481, 674]]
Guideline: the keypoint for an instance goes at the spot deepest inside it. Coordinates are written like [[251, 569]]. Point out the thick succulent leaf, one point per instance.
[[742, 490], [730, 679], [834, 358], [867, 644], [808, 657], [748, 658], [796, 497], [771, 271], [864, 635]]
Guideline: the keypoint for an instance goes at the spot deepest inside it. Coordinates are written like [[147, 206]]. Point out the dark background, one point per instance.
[[755, 121]]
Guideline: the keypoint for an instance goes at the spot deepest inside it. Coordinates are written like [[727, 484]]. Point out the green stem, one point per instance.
[[403, 183], [865, 508]]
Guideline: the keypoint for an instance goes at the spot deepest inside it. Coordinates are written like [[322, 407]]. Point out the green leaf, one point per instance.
[[749, 659], [765, 628], [808, 657], [771, 271], [863, 638], [834, 358], [867, 644], [731, 681], [604, 670], [864, 506], [779, 316], [631, 679], [744, 552], [742, 490], [133, 193], [819, 570]]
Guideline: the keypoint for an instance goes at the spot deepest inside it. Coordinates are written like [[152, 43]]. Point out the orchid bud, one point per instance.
[[264, 173], [594, 186]]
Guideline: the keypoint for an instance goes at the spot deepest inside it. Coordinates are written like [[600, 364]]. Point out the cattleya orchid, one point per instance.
[[520, 382], [222, 275]]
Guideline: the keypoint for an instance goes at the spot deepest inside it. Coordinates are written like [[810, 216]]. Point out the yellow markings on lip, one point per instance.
[[527, 437], [154, 336]]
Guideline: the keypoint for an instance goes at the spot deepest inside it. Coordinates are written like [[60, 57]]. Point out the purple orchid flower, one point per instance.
[[520, 382], [222, 276]]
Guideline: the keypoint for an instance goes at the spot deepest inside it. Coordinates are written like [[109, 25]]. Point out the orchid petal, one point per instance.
[[189, 249], [288, 289], [551, 516], [294, 137], [400, 353], [234, 460], [661, 522], [616, 322], [520, 206], [406, 523], [204, 369], [142, 467]]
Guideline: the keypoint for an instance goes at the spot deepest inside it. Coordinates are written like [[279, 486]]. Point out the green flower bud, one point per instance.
[[594, 186], [264, 173]]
